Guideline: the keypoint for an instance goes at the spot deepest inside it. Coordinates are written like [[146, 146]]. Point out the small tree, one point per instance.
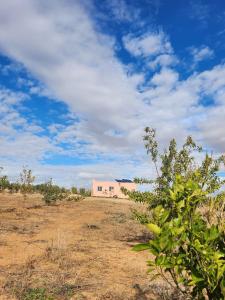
[[14, 187], [185, 213], [74, 190], [26, 181], [51, 193], [84, 192], [4, 182]]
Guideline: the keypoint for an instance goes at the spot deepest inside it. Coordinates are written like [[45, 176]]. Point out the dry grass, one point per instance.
[[76, 250]]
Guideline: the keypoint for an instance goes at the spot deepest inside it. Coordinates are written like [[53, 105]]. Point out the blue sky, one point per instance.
[[79, 81]]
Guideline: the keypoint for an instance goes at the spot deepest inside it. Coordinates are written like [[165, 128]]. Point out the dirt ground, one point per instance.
[[75, 250]]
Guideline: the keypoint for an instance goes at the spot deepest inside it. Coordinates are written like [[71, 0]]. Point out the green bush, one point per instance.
[[74, 190], [84, 192], [14, 187], [36, 294], [4, 183], [185, 212], [51, 193]]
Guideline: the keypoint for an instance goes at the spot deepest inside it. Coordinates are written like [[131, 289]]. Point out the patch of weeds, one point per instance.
[[80, 296], [75, 198], [119, 218], [66, 290], [113, 295], [28, 229], [19, 281], [50, 276], [165, 292], [36, 294], [60, 257], [142, 237]]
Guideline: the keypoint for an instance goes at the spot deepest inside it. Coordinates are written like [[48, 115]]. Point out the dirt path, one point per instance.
[[84, 245]]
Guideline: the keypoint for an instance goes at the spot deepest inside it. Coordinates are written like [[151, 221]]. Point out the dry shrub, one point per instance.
[[53, 273], [75, 198], [130, 232], [20, 229], [18, 281], [116, 217], [160, 291], [113, 295]]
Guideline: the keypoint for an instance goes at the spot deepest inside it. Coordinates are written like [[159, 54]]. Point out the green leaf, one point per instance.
[[141, 247], [195, 279], [180, 204], [154, 228], [213, 233], [178, 230], [173, 195], [154, 247], [222, 286]]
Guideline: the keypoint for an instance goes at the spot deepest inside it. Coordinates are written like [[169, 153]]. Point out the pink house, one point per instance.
[[111, 188]]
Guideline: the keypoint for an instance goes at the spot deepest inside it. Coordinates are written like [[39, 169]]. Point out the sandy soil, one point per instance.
[[76, 250]]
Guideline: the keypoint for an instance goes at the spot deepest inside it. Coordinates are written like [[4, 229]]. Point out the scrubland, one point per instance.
[[72, 250]]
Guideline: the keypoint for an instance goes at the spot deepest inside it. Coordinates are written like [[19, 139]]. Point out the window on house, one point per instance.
[[99, 188], [111, 188]]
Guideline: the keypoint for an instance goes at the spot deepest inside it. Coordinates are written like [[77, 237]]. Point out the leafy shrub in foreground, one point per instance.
[[185, 212]]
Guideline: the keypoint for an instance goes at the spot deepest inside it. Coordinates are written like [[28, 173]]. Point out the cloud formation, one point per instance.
[[148, 45], [200, 54], [60, 44]]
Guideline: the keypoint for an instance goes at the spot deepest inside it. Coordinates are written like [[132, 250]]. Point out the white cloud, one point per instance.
[[200, 54], [164, 60], [148, 45], [212, 128], [166, 78], [76, 63], [122, 12], [19, 138]]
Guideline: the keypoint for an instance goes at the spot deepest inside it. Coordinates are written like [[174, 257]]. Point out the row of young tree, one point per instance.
[[51, 192], [185, 212]]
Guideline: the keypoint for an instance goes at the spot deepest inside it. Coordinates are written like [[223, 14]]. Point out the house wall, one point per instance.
[[116, 188]]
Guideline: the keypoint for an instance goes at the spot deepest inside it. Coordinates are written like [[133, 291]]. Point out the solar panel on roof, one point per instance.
[[123, 180]]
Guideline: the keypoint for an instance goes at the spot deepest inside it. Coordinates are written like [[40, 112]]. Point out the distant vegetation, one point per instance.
[[51, 193], [185, 211]]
